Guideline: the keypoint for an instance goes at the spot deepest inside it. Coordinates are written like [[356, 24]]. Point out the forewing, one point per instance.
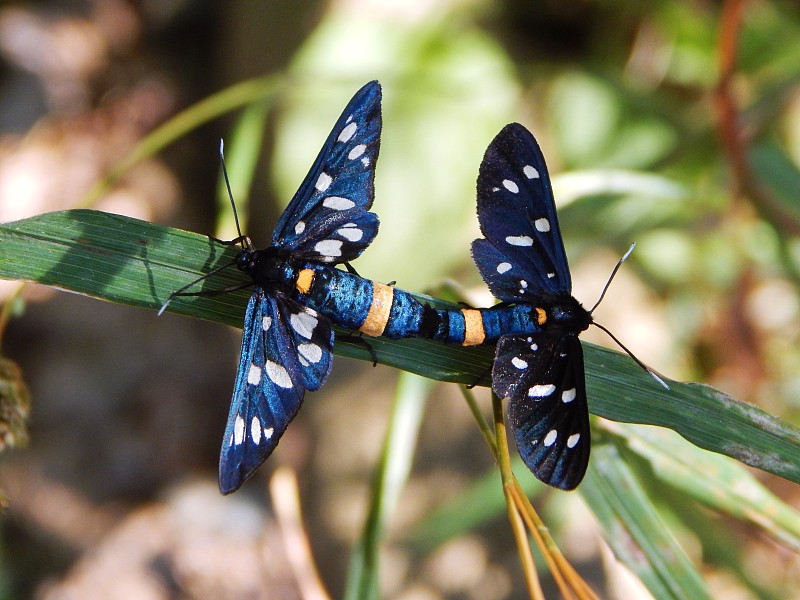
[[328, 219], [523, 253], [269, 388], [543, 378]]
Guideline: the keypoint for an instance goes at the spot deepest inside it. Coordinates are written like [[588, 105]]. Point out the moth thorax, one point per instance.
[[570, 315], [267, 267]]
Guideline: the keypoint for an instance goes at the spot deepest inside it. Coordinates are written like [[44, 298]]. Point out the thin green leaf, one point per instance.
[[480, 503], [635, 532], [242, 152], [129, 261], [231, 98], [392, 474], [731, 490]]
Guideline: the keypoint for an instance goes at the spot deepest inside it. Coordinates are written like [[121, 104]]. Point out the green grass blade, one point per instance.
[[132, 262], [635, 532], [710, 419], [391, 477], [231, 98], [242, 152], [732, 490]]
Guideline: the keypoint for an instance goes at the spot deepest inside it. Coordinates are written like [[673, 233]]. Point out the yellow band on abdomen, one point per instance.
[[379, 310], [304, 280], [474, 333]]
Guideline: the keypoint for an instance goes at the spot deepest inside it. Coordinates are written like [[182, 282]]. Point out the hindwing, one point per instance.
[[543, 378], [286, 349]]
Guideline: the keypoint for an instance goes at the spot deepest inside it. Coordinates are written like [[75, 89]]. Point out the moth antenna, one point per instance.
[[652, 373], [179, 292], [611, 277], [244, 239]]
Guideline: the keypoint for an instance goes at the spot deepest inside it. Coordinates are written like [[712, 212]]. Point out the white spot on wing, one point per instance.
[[255, 430], [510, 186], [268, 431], [348, 132], [568, 396], [519, 240], [542, 225], [238, 430], [503, 267], [523, 284], [300, 227], [542, 390], [266, 323], [551, 275], [331, 248], [310, 352], [550, 438], [530, 172], [304, 323], [519, 363], [357, 151], [254, 375], [573, 440], [365, 161], [350, 232], [338, 203], [278, 375], [324, 181]]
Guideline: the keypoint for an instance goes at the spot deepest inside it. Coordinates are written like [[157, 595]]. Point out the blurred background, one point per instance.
[[675, 124]]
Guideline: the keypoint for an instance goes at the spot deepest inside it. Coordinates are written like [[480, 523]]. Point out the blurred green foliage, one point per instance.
[[675, 124], [656, 131]]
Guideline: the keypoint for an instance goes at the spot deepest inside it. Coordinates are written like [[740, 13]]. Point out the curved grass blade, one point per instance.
[[732, 490], [133, 262], [226, 100], [390, 479], [635, 532]]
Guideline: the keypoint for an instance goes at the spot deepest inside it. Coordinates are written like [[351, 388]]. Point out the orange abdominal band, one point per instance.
[[378, 315], [541, 316], [474, 333], [304, 280]]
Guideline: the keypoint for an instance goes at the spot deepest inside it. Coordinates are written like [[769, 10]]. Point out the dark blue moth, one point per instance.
[[286, 346], [523, 262]]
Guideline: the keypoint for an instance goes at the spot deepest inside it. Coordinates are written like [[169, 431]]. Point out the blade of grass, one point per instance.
[[514, 517], [132, 262], [634, 530], [732, 490], [231, 98], [242, 152], [391, 476]]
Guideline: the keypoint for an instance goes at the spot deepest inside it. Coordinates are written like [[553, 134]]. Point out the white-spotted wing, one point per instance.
[[522, 259], [544, 378], [328, 220], [286, 349], [523, 254]]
